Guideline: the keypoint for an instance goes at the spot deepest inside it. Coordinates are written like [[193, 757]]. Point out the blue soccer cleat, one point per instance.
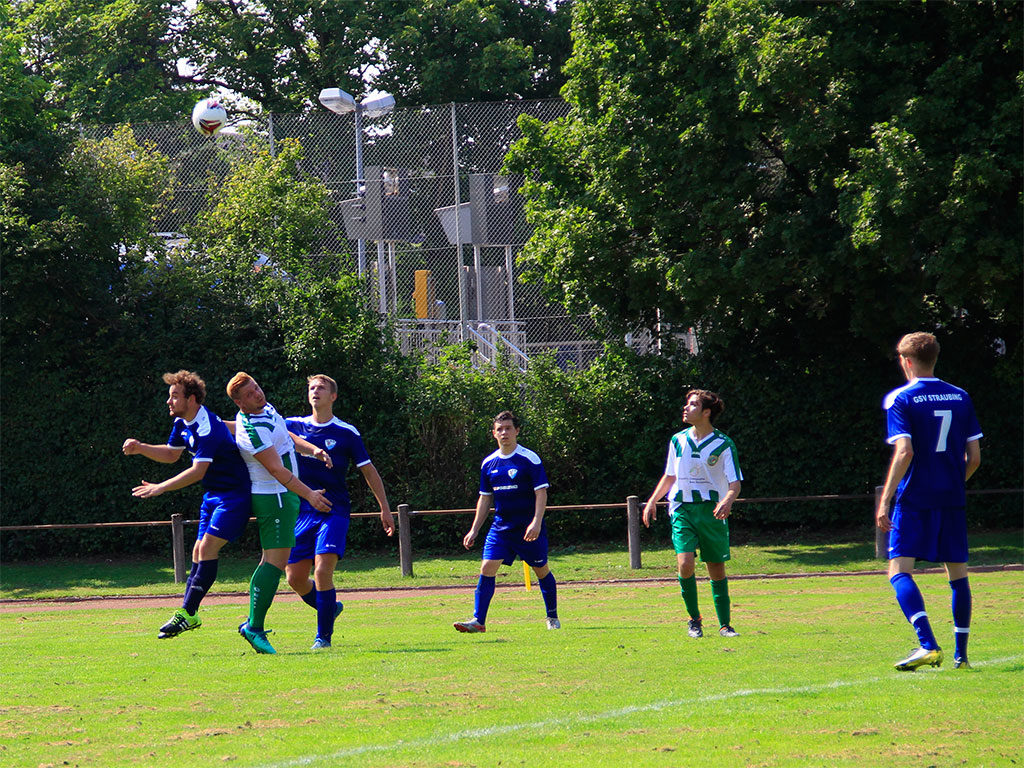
[[257, 638]]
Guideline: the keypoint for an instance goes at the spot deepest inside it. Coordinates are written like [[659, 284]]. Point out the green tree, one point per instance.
[[472, 50], [108, 60], [784, 173]]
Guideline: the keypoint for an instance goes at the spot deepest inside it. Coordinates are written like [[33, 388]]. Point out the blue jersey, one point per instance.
[[513, 480], [207, 438], [344, 443], [939, 420]]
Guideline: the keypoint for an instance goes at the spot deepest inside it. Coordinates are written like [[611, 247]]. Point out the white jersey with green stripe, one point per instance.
[[255, 432], [704, 469]]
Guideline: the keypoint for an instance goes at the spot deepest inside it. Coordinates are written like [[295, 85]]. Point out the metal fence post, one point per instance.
[[178, 545], [404, 540], [881, 537], [633, 528]]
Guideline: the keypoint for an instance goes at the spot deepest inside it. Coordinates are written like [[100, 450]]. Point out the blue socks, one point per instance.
[[961, 615], [484, 593], [549, 592], [199, 584], [912, 604], [326, 608]]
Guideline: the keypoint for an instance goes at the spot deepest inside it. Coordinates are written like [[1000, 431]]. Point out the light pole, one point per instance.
[[342, 102]]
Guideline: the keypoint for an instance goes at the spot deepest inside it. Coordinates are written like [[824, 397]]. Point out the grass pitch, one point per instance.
[[808, 683]]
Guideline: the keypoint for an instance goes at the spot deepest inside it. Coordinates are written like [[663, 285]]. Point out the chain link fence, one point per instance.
[[420, 211]]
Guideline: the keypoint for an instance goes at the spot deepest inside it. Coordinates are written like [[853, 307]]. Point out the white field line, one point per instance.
[[539, 725]]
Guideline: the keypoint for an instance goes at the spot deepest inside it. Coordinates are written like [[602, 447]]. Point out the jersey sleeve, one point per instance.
[[485, 482], [897, 420], [177, 437], [357, 451], [671, 465], [731, 464], [973, 427], [540, 477], [206, 448], [247, 438]]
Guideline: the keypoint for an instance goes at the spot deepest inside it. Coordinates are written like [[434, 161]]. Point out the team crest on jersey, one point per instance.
[[712, 460], [512, 473], [330, 443]]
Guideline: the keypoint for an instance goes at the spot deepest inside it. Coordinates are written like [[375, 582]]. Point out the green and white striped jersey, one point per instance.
[[255, 432], [702, 470]]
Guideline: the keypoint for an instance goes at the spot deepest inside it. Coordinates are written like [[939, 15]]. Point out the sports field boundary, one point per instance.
[[13, 605]]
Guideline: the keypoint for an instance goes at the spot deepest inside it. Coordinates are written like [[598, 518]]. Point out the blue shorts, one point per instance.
[[937, 534], [319, 534], [224, 514], [505, 544]]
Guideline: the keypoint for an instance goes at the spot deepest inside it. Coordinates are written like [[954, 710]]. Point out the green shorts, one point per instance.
[[694, 527], [276, 514]]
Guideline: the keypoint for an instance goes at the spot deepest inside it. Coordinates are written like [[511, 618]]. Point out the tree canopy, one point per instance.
[[785, 172], [147, 60]]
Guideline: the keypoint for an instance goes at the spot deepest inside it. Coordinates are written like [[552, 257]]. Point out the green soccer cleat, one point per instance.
[[180, 622], [257, 638], [919, 658], [470, 625]]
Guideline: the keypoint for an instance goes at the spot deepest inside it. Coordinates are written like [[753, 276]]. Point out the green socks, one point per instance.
[[720, 594], [262, 590], [689, 588]]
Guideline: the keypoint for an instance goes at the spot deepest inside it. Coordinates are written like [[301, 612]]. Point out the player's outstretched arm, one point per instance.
[[165, 454], [306, 448], [483, 506], [372, 478], [192, 475], [271, 461], [651, 507]]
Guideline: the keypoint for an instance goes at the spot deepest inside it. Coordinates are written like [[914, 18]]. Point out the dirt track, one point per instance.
[[391, 593]]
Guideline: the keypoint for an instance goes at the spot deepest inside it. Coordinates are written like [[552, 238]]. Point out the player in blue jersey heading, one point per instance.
[[934, 433], [320, 536], [513, 478], [702, 479], [217, 464]]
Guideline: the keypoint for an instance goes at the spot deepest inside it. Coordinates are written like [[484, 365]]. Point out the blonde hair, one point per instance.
[[325, 379], [922, 347], [239, 380]]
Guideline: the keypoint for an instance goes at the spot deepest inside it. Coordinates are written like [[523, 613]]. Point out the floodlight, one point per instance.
[[338, 100]]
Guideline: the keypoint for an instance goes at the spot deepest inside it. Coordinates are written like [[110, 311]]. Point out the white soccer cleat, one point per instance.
[[554, 623], [919, 658], [470, 625]]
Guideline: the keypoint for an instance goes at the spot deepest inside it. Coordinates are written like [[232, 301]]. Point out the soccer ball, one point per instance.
[[208, 116]]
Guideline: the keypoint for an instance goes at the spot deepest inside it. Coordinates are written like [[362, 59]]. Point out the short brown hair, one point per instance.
[[323, 377], [709, 401], [507, 416], [190, 383], [922, 347], [239, 380]]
